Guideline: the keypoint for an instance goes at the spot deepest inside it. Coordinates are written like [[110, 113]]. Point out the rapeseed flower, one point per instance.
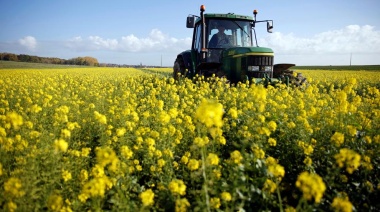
[[181, 205], [177, 187], [269, 186], [13, 187], [337, 138], [226, 196], [15, 120], [11, 206], [193, 164], [342, 204], [236, 157], [55, 202], [66, 175], [212, 159], [210, 113], [61, 145], [147, 197], [272, 142], [215, 202], [311, 185], [349, 159], [100, 117]]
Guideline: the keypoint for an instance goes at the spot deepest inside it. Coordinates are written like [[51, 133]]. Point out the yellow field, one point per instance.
[[124, 139]]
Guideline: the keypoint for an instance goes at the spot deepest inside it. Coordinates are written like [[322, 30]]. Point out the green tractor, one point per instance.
[[223, 46]]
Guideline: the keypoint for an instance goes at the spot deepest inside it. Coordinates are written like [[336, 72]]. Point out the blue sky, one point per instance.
[[306, 32]]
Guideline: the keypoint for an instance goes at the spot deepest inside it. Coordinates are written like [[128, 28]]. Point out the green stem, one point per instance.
[[279, 197], [205, 180]]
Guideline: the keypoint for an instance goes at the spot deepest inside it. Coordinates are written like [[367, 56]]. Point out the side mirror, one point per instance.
[[269, 26], [190, 21]]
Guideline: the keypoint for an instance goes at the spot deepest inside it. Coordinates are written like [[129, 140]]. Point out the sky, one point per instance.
[[153, 32]]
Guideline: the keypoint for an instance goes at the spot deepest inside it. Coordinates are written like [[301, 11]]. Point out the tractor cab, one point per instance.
[[214, 33]]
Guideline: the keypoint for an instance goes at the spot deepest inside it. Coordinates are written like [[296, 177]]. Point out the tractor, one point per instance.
[[225, 45]]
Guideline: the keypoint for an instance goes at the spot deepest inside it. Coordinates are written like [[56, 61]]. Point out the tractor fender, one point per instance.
[[186, 57]]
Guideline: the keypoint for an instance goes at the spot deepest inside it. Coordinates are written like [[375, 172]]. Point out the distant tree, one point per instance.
[[9, 57], [87, 61]]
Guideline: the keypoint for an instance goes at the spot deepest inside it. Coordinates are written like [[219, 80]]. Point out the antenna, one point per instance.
[[350, 58]]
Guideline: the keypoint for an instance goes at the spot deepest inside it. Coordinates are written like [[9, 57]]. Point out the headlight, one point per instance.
[[268, 68], [257, 68], [253, 68]]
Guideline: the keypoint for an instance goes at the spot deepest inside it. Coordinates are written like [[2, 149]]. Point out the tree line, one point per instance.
[[86, 61]]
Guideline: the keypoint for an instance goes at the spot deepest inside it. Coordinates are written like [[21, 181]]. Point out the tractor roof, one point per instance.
[[228, 16]]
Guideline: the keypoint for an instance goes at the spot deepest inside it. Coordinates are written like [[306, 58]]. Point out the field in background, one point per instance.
[[127, 139]]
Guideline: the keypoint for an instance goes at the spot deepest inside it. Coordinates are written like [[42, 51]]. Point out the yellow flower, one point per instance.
[[11, 206], [272, 142], [181, 205], [85, 152], [212, 159], [342, 204], [164, 117], [147, 197], [35, 108], [14, 119], [120, 132], [276, 170], [193, 164], [269, 186], [106, 156], [55, 202], [210, 113], [351, 130], [233, 113], [215, 202], [83, 175], [184, 159], [61, 145], [100, 118], [308, 161], [65, 133], [236, 157], [258, 152], [311, 185], [349, 159], [126, 152], [1, 169], [161, 163], [201, 141], [66, 175], [272, 126], [226, 196], [177, 187], [95, 188], [13, 187], [338, 138]]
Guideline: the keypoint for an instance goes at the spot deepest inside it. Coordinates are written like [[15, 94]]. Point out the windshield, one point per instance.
[[228, 33]]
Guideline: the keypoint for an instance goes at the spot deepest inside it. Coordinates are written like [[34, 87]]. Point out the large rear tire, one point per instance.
[[179, 68]]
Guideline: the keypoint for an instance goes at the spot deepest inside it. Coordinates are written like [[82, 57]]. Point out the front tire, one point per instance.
[[179, 68]]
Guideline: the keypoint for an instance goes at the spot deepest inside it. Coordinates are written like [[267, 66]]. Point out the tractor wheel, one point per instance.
[[179, 68]]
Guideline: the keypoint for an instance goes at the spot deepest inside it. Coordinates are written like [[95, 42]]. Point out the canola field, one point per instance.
[[125, 139]]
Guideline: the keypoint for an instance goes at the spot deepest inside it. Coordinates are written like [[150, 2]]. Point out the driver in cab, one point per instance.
[[219, 39]]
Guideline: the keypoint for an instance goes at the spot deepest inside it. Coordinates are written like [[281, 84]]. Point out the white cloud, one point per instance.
[[155, 41], [351, 39], [28, 42]]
